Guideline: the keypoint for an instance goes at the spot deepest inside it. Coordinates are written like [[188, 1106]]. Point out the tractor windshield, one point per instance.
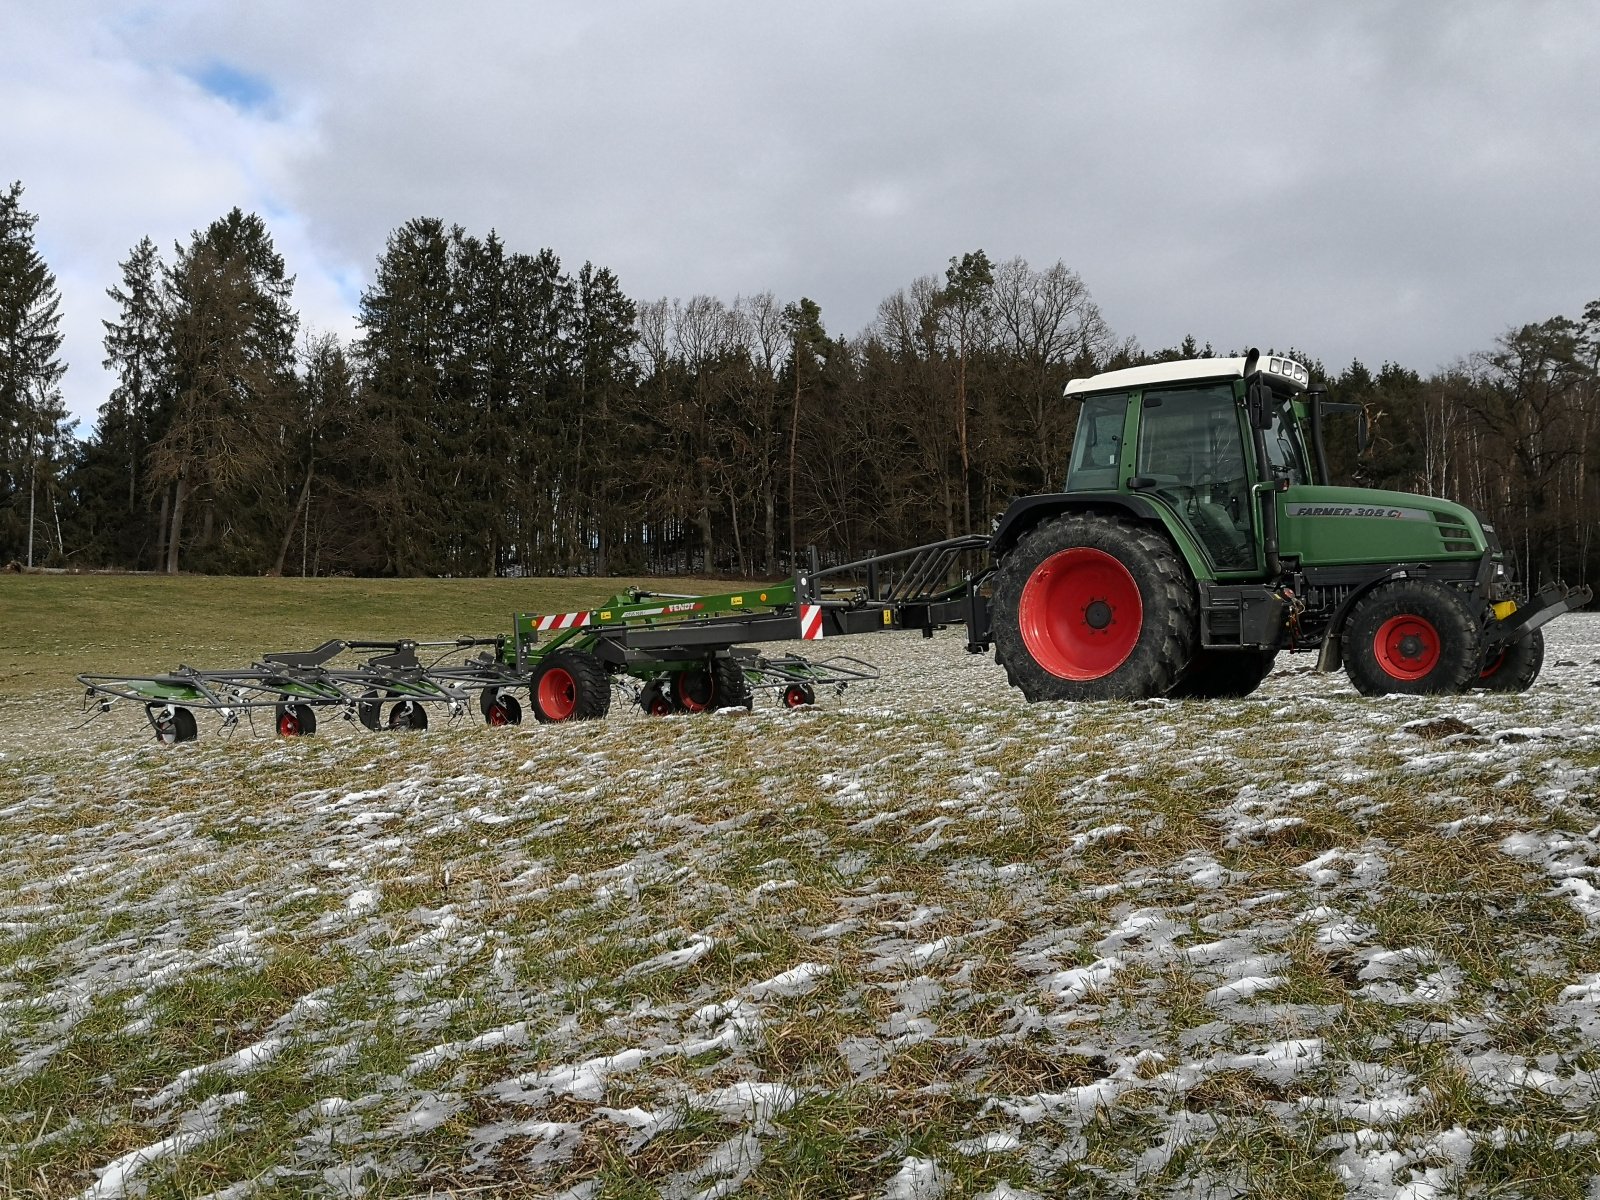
[[1286, 457]]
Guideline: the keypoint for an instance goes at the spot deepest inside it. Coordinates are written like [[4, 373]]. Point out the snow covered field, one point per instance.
[[924, 940]]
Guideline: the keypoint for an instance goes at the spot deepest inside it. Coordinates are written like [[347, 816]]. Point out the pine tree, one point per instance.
[[603, 341], [407, 320], [34, 432], [134, 415], [230, 331]]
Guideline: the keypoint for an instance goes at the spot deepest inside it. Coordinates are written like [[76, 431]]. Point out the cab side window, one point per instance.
[[1097, 448]]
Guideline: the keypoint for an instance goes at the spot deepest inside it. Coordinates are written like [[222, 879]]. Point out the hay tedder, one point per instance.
[[666, 653]]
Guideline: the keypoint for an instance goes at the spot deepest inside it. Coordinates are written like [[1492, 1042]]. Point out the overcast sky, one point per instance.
[[1390, 181]]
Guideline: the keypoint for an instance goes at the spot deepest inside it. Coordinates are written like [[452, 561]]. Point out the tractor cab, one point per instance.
[[1184, 435]]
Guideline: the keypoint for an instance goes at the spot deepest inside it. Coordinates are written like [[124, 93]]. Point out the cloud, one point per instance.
[[1388, 182]]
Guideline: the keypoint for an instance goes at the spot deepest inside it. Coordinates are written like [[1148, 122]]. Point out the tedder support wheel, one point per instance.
[[1224, 674], [798, 695], [296, 720], [719, 684], [653, 699], [1413, 636], [1093, 607], [569, 685], [499, 708], [369, 709], [179, 726], [408, 714], [1513, 668]]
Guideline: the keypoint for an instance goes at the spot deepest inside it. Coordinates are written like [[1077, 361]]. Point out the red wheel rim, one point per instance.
[[288, 725], [659, 707], [497, 714], [558, 694], [1080, 614], [1407, 646], [681, 686], [795, 697], [1493, 668]]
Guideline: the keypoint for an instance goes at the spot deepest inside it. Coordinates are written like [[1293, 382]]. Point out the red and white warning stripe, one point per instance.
[[563, 621], [810, 621]]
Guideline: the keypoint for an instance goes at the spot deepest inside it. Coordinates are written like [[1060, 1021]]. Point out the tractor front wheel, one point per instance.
[[569, 685], [1413, 636], [1513, 668], [1091, 607]]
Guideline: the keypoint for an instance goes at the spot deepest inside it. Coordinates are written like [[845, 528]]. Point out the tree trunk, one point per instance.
[[288, 529], [961, 434], [771, 530], [794, 437], [175, 537], [161, 528]]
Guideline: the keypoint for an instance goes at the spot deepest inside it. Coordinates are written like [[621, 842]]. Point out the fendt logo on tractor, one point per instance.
[[1197, 536]]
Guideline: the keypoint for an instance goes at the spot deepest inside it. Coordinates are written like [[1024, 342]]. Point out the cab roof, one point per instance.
[[1283, 372]]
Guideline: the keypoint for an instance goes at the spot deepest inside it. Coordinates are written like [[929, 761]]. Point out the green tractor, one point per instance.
[[1199, 535]]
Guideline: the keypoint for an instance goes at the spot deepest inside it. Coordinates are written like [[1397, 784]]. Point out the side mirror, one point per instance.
[[1259, 401]]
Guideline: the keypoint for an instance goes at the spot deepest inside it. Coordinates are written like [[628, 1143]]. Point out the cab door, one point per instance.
[[1191, 454]]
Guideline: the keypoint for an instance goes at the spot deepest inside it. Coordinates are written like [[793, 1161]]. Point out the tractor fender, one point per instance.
[[1029, 511], [1331, 657]]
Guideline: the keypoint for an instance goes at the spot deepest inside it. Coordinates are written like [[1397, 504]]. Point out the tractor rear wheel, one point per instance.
[[1224, 674], [569, 685], [1514, 667], [1091, 607], [1413, 636], [296, 720]]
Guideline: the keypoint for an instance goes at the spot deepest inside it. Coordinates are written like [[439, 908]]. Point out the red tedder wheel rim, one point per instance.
[[497, 714], [558, 694], [1080, 613], [1492, 669], [288, 724], [693, 690], [1407, 646]]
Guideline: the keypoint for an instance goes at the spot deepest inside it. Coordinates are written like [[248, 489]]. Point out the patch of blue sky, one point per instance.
[[243, 90]]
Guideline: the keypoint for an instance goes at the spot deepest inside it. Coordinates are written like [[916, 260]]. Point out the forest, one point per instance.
[[502, 415]]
